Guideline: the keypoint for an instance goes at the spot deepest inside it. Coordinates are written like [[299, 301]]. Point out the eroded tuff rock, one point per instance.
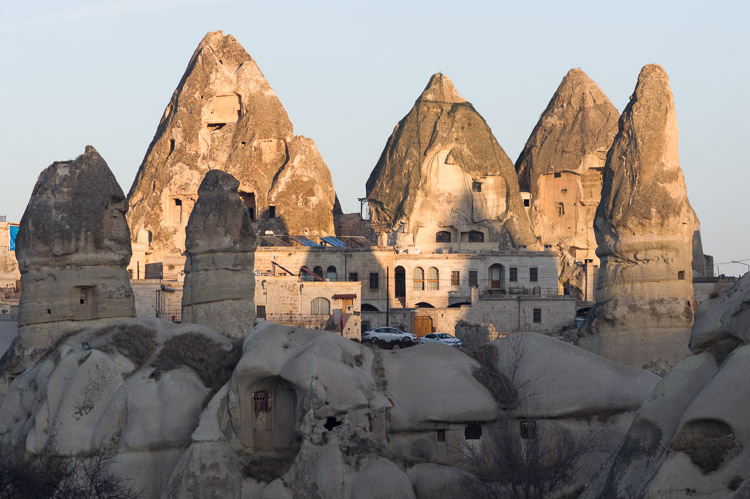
[[224, 115], [644, 228], [443, 170], [561, 167], [219, 248], [303, 412], [73, 247], [692, 433]]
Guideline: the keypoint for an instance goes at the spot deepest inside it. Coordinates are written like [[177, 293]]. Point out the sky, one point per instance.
[[101, 72]]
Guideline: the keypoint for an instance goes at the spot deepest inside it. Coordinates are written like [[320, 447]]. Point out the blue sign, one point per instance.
[[13, 234]]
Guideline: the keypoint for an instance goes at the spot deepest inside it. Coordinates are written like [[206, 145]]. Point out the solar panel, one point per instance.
[[334, 242], [305, 241]]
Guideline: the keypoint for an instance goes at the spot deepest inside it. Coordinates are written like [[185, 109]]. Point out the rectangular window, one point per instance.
[[260, 311], [476, 186], [455, 278], [271, 212], [374, 280], [441, 435], [537, 315], [473, 280], [513, 276], [528, 430], [560, 209], [533, 274], [261, 402], [353, 276], [473, 431]]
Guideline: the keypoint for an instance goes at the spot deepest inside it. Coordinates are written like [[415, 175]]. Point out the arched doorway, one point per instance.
[[497, 276], [400, 282]]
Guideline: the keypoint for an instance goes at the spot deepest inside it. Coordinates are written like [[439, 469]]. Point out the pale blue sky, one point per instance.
[[101, 72]]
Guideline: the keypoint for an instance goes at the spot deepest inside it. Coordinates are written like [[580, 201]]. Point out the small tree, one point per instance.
[[509, 463], [45, 476]]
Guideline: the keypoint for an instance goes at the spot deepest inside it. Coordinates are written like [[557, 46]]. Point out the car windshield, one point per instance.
[[444, 336]]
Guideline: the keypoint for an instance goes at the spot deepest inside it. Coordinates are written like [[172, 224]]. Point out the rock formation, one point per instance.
[[561, 167], [305, 410], [442, 171], [72, 247], [219, 282], [224, 115], [644, 228], [692, 433]]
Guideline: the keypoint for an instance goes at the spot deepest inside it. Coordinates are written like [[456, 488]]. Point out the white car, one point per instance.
[[389, 336], [444, 338]]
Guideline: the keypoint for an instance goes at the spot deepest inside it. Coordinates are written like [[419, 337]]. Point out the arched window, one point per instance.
[[443, 237], [318, 271], [418, 279], [476, 237], [331, 273], [320, 306], [432, 279], [497, 276], [305, 275], [366, 307]]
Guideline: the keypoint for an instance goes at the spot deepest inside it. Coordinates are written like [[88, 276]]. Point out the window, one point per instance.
[[320, 306], [418, 279], [513, 275], [433, 282], [271, 212], [537, 315], [528, 430], [455, 278], [84, 295], [374, 280], [527, 203], [558, 175], [533, 274], [260, 311], [261, 402], [473, 431], [331, 273], [681, 275], [560, 209], [473, 280], [318, 271], [441, 435], [353, 276], [476, 237], [476, 186], [443, 237]]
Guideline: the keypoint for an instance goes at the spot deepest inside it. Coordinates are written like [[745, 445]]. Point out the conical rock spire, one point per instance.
[[443, 170]]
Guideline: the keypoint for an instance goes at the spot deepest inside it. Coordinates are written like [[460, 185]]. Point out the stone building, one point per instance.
[[9, 274], [224, 115], [561, 170], [443, 177]]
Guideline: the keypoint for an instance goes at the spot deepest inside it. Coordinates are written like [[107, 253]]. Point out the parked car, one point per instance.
[[388, 337], [444, 338]]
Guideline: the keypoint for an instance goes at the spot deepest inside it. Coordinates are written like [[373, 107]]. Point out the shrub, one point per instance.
[[208, 358], [134, 342], [708, 443]]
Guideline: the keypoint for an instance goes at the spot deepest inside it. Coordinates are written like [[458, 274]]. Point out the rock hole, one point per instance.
[[681, 275], [331, 423]]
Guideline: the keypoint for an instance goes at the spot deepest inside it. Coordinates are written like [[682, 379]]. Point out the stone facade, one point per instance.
[[224, 115], [561, 167], [443, 175], [331, 305], [9, 274]]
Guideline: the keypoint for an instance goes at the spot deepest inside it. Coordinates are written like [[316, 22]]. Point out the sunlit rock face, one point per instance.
[[442, 171], [224, 115], [692, 433], [644, 229], [73, 247], [219, 282], [561, 168]]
